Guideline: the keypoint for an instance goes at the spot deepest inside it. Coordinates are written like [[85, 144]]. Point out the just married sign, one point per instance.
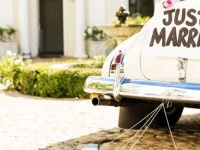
[[188, 35], [174, 30]]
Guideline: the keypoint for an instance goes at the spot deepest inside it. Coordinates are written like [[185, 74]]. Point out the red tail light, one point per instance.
[[117, 60], [118, 57]]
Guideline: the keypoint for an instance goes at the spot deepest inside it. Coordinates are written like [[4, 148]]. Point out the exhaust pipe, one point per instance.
[[105, 102], [123, 103]]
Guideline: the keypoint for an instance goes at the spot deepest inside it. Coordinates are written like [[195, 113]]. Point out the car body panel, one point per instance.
[[161, 62]]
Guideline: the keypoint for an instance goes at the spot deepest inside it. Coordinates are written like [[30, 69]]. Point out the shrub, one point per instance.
[[42, 79], [48, 82], [10, 70], [138, 20]]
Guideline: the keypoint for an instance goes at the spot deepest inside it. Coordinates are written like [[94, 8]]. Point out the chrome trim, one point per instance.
[[181, 66], [117, 85], [179, 92], [97, 84]]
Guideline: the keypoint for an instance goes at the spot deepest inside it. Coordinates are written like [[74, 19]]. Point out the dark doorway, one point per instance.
[[143, 7], [51, 27]]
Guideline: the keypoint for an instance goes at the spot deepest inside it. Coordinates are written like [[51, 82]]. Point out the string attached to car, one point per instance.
[[149, 117], [145, 126]]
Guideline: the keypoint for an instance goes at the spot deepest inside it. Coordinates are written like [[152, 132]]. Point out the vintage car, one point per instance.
[[158, 65]]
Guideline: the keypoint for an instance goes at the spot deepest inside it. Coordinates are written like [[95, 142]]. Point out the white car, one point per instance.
[[159, 65]]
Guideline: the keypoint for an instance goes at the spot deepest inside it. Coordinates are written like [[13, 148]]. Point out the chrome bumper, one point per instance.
[[179, 92]]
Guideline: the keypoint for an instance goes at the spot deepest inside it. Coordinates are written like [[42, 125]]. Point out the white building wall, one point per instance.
[[95, 12], [15, 15], [69, 27], [111, 7], [6, 15], [100, 12]]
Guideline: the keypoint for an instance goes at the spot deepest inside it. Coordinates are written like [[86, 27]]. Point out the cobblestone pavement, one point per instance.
[[186, 136], [32, 123]]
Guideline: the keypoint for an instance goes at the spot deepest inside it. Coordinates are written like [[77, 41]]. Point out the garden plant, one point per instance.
[[43, 79]]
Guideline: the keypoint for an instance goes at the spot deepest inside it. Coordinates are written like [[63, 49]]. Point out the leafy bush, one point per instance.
[[42, 79], [133, 21], [10, 70], [88, 63], [48, 82], [138, 20]]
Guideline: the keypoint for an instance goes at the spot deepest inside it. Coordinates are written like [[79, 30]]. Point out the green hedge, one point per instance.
[[48, 82], [42, 79]]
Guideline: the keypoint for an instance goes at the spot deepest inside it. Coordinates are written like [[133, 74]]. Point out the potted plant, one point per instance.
[[9, 31], [7, 40], [94, 33], [120, 31], [97, 42], [1, 33]]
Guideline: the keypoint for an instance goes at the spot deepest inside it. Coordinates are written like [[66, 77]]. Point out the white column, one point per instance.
[[80, 26], [69, 27], [24, 28], [34, 27]]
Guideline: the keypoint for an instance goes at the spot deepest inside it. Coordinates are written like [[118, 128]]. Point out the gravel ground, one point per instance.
[[30, 123]]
